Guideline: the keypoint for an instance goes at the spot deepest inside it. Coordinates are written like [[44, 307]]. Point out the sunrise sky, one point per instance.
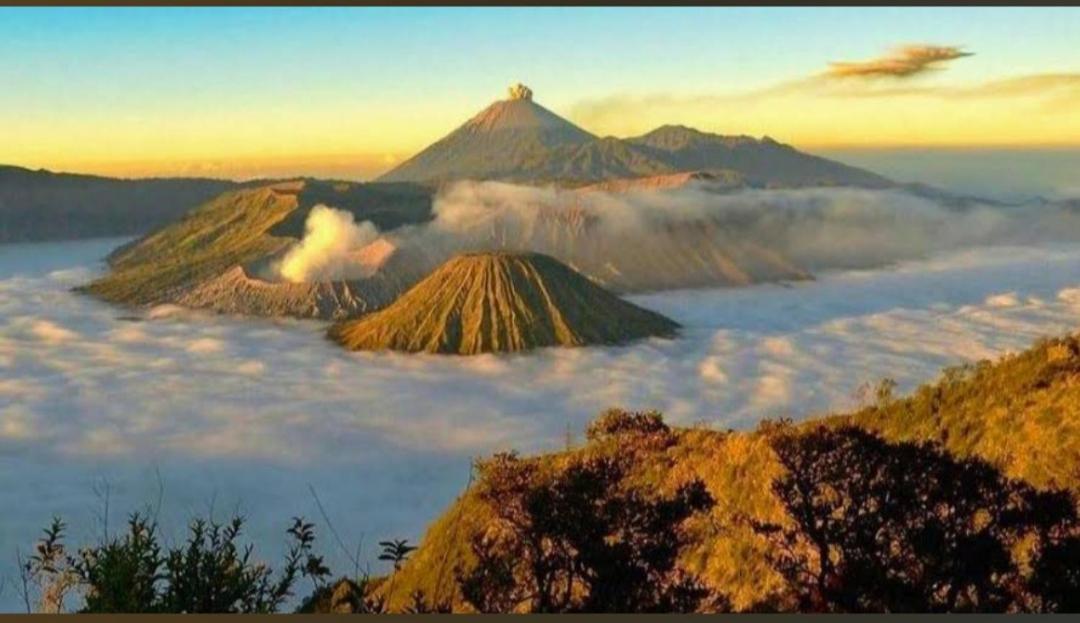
[[350, 92]]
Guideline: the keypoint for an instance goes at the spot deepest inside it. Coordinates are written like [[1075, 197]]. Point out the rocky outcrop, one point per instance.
[[236, 292]]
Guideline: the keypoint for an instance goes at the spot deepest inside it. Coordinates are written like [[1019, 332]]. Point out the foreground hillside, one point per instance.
[[42, 205], [1019, 415], [916, 504]]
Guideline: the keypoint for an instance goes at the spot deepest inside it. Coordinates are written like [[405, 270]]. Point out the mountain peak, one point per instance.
[[523, 113], [673, 136], [520, 92], [500, 142], [518, 140], [501, 302]]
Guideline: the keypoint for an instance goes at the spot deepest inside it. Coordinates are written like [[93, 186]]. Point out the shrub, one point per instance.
[[210, 573], [879, 527], [580, 539]]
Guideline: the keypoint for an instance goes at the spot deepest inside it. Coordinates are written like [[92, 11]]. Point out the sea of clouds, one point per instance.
[[195, 412]]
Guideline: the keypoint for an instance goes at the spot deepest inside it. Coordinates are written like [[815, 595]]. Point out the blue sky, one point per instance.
[[395, 79]]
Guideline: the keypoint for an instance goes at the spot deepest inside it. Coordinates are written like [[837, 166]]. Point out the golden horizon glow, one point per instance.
[[347, 93], [1025, 112]]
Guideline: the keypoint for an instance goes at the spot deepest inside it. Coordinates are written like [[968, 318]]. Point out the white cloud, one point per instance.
[[252, 411], [17, 424], [48, 331], [1070, 296], [1007, 299], [206, 345], [251, 367]]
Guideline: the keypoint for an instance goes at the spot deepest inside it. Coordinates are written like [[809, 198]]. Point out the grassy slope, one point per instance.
[[1021, 412], [244, 226], [226, 231]]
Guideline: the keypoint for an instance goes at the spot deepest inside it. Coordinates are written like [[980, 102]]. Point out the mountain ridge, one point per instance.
[[212, 258], [968, 411], [518, 140], [39, 205]]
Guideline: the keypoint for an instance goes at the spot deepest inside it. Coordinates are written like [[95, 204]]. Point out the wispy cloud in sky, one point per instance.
[[908, 83], [903, 62], [1052, 90]]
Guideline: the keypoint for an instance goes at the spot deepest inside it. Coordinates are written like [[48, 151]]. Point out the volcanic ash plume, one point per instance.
[[331, 237]]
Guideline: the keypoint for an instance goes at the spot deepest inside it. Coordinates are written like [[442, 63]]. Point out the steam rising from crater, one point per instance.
[[690, 236], [331, 238]]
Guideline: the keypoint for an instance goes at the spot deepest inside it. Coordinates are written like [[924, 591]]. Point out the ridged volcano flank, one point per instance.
[[518, 140], [501, 302], [506, 140]]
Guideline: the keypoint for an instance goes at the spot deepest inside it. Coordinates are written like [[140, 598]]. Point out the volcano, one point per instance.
[[220, 256], [501, 302], [518, 140]]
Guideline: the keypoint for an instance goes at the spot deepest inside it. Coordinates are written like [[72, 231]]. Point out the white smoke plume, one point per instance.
[[691, 236], [331, 237]]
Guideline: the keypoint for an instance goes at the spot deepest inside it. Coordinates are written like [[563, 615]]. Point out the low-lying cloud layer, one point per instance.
[[903, 62], [243, 414]]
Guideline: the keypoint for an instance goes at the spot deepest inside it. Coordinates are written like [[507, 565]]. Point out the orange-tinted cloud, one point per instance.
[[904, 62], [1054, 89]]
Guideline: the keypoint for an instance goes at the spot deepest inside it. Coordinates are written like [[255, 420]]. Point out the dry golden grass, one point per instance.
[[1021, 413]]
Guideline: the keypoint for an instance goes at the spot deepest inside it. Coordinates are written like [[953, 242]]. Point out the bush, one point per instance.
[[879, 527], [619, 422], [210, 573]]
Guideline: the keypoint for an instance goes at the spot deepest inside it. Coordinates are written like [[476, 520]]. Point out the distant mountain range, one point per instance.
[[518, 140], [42, 205], [513, 140], [217, 256], [220, 255]]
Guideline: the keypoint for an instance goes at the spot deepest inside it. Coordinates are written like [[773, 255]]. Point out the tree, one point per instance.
[[580, 537], [902, 527], [395, 551], [49, 570], [1054, 585]]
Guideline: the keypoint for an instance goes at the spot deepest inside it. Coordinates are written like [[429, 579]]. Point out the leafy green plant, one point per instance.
[[211, 572]]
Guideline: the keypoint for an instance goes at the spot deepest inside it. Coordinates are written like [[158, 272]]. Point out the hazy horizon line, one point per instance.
[[324, 165]]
